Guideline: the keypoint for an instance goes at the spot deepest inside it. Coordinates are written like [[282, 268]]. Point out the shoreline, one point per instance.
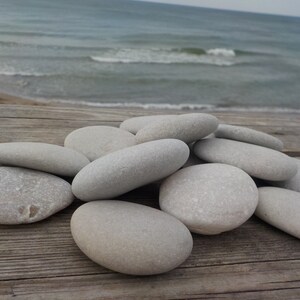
[[18, 100]]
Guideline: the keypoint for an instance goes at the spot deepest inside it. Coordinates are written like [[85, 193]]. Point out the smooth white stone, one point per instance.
[[187, 128], [28, 196], [122, 171], [210, 198], [130, 238], [248, 135], [97, 141], [257, 161], [133, 125], [293, 183], [280, 208], [43, 157]]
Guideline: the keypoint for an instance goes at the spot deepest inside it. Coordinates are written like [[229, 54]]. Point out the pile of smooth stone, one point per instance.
[[205, 171]]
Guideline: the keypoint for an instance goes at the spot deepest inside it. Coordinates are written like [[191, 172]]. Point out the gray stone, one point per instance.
[[133, 125], [188, 128], [28, 196], [257, 161], [97, 141], [133, 239], [210, 198], [293, 183], [280, 208], [124, 170], [248, 135], [43, 157], [193, 159]]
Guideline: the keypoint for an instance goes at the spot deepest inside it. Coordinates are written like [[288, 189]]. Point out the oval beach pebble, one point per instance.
[[43, 157], [257, 161], [210, 198], [280, 208], [188, 128], [28, 196], [97, 141], [293, 183], [248, 135], [133, 125], [124, 170], [130, 238]]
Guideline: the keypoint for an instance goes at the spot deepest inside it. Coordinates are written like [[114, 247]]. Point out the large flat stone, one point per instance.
[[43, 157], [122, 171], [248, 135], [130, 238], [187, 128], [209, 198], [28, 196], [257, 161], [293, 183], [280, 208], [97, 141], [133, 125]]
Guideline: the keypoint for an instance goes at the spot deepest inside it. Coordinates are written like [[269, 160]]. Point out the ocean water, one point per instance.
[[114, 52]]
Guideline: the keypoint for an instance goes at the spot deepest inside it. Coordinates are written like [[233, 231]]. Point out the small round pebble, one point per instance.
[[28, 196], [248, 135], [257, 161], [293, 183], [130, 238], [43, 157], [280, 208], [133, 125], [210, 198], [124, 170], [97, 141], [187, 128]]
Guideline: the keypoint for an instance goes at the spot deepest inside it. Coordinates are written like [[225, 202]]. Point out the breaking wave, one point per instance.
[[169, 106], [217, 56], [20, 73]]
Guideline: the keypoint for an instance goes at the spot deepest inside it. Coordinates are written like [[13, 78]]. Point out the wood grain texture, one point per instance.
[[41, 260]]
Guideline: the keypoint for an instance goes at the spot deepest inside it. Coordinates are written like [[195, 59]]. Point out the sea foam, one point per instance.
[[10, 71], [217, 57], [169, 106]]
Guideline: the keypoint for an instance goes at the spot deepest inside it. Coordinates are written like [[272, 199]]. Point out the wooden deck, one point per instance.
[[41, 260]]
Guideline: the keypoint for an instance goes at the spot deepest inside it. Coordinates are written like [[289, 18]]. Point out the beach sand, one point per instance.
[[9, 99]]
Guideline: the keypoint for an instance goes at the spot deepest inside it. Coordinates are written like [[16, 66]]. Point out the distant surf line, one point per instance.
[[169, 106]]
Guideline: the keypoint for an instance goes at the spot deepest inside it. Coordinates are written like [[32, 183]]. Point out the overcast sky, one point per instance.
[[282, 7]]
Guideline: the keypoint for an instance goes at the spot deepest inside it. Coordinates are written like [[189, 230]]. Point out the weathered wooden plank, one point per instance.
[[52, 124], [116, 114], [184, 283]]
